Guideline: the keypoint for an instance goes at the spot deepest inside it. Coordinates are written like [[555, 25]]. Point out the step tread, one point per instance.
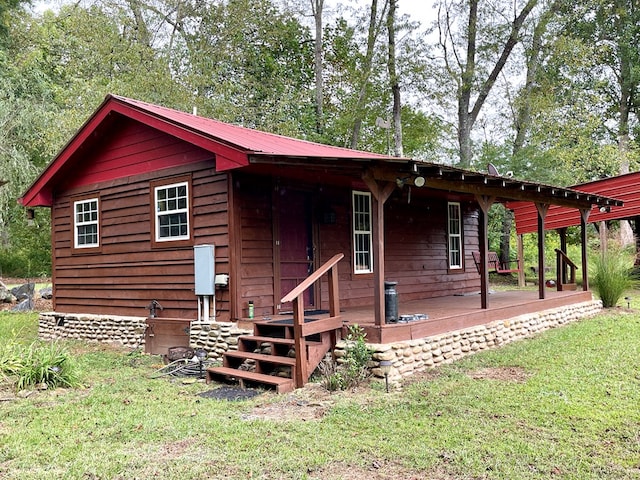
[[277, 359], [263, 339], [256, 377]]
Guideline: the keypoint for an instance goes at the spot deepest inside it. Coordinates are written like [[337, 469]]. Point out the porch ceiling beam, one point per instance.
[[500, 188]]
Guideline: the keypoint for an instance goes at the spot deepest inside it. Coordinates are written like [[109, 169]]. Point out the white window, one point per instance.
[[362, 235], [455, 236], [172, 212], [86, 223]]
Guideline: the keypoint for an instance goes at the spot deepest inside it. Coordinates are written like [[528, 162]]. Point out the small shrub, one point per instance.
[[611, 275], [330, 377], [38, 363], [9, 361], [352, 369]]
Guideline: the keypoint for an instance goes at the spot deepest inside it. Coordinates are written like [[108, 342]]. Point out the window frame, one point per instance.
[[165, 184], [85, 199], [455, 235], [356, 233]]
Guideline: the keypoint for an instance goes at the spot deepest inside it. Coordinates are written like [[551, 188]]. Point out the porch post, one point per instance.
[[584, 218], [542, 208], [520, 241], [485, 203], [380, 192]]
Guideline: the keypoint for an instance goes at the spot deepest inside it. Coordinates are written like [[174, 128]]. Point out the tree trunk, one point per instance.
[[505, 238], [142, 35], [373, 32], [624, 106], [317, 6], [467, 116], [465, 123], [393, 80]]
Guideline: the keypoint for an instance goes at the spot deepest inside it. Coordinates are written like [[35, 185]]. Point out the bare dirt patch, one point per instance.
[[305, 404], [505, 374]]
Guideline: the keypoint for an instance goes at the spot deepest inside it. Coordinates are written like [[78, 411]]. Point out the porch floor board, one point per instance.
[[456, 312]]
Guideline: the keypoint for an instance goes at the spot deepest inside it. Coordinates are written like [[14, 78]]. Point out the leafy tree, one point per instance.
[[476, 39], [252, 65], [6, 7]]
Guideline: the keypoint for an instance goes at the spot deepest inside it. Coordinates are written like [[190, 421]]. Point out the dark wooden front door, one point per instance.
[[295, 243]]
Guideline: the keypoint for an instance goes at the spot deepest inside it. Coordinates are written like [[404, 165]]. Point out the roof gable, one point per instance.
[[231, 144]]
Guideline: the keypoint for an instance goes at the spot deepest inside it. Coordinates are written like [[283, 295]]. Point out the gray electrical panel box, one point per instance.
[[205, 271]]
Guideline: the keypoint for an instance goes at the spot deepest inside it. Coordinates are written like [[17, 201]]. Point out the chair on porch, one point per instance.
[[494, 264]]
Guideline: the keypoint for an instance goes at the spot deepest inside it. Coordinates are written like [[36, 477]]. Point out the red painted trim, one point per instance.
[[230, 144], [39, 193], [622, 187]]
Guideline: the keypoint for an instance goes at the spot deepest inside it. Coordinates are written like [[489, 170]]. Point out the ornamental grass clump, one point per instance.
[[611, 275], [43, 364]]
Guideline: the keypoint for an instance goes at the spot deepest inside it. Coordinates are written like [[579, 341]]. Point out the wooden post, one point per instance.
[[485, 203], [542, 208], [380, 193], [334, 300], [300, 341], [521, 279], [584, 218]]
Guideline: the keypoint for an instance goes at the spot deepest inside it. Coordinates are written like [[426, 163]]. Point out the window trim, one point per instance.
[[83, 199], [170, 242], [369, 232], [458, 235]]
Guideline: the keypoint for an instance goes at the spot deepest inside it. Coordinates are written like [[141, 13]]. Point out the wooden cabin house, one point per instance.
[[139, 186]]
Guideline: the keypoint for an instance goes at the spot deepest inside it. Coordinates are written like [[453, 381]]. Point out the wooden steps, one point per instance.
[[281, 384], [259, 357], [266, 357], [249, 365]]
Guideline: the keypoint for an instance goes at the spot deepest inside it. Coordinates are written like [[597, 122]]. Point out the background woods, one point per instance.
[[544, 88]]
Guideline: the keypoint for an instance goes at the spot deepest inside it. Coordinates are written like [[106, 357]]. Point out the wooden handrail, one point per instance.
[[311, 279], [300, 330], [562, 261], [566, 259]]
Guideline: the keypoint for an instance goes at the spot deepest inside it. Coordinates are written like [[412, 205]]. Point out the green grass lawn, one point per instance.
[[571, 412]]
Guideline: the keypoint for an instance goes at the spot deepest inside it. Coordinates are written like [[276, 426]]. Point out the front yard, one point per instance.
[[565, 404]]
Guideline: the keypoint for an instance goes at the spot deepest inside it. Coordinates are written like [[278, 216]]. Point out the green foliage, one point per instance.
[[575, 386], [38, 363], [352, 368], [610, 274]]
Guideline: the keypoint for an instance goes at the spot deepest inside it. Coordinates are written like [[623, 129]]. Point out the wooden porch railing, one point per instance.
[[330, 324], [562, 262]]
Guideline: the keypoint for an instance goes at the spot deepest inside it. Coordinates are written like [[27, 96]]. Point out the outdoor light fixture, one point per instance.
[[202, 356], [628, 300], [604, 209], [418, 181], [385, 368]]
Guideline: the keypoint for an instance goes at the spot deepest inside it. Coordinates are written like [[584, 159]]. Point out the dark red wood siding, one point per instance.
[[415, 245], [257, 253], [127, 273]]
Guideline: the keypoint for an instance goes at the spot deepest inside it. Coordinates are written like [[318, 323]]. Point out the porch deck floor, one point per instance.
[[458, 312]]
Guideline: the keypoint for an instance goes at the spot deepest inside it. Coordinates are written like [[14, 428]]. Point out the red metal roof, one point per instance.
[[253, 141], [623, 187], [231, 144]]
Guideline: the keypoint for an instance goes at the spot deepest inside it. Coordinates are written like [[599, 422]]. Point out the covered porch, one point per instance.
[[451, 313]]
